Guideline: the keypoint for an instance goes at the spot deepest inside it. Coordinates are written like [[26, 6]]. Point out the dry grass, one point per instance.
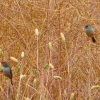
[[76, 60]]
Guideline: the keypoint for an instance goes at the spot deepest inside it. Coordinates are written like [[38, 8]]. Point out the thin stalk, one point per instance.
[[89, 76]]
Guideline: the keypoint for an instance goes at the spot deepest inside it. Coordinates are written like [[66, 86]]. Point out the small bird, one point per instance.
[[7, 70], [90, 32]]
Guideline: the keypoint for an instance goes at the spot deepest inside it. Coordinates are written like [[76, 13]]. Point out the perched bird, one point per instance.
[[7, 70], [90, 32]]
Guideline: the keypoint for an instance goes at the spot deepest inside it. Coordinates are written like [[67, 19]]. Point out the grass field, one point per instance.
[[60, 61]]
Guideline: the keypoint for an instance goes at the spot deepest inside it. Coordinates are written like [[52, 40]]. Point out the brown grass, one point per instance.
[[76, 60]]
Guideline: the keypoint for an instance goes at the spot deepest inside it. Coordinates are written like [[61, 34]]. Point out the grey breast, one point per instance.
[[6, 70], [90, 31]]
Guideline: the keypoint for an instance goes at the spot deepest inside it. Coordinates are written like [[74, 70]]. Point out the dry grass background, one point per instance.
[[76, 60]]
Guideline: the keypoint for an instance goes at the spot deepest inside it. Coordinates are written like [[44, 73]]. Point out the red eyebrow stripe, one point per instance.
[[2, 62]]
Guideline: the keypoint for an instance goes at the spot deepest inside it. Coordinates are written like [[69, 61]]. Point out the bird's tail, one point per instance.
[[93, 39], [11, 82]]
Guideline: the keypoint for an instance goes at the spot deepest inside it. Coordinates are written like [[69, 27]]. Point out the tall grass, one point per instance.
[[61, 62]]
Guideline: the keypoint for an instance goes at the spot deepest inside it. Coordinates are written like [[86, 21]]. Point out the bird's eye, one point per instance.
[[86, 26]]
